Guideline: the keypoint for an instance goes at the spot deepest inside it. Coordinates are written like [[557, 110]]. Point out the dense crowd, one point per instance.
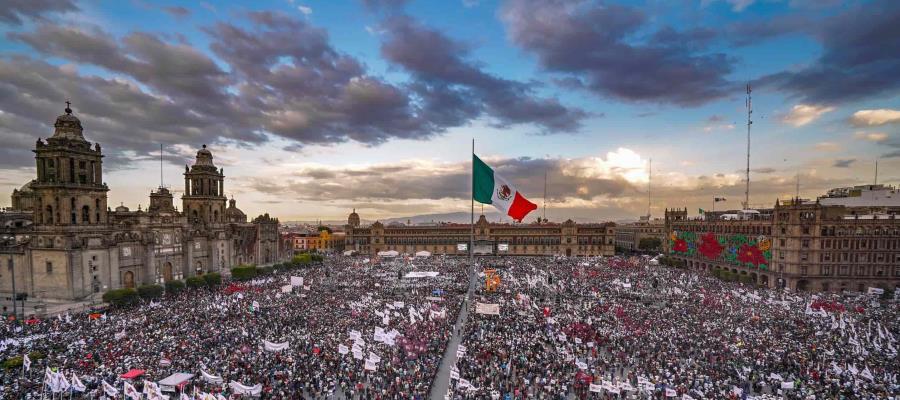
[[397, 328], [620, 328], [551, 328]]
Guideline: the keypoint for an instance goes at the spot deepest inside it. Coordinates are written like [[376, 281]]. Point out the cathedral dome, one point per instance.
[[234, 214], [68, 126], [204, 157], [353, 219]]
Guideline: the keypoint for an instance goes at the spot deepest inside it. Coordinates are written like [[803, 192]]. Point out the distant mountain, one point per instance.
[[454, 217]]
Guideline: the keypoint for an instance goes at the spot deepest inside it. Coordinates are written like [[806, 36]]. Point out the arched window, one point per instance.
[[216, 216], [86, 215], [49, 216]]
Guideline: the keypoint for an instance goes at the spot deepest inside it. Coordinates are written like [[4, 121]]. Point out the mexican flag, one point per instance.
[[490, 188]]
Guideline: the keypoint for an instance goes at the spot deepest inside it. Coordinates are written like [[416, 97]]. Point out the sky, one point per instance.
[[316, 107]]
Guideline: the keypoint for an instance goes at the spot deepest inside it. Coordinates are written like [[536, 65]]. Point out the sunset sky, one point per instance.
[[315, 107]]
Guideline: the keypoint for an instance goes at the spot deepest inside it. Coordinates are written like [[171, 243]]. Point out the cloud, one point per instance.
[[599, 45], [882, 116], [871, 136], [273, 75], [827, 146], [177, 11], [15, 12], [858, 59], [306, 10], [845, 163], [454, 89], [390, 5], [803, 114]]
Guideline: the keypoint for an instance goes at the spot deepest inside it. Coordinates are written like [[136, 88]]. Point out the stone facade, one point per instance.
[[801, 245], [63, 241], [565, 239], [628, 236]]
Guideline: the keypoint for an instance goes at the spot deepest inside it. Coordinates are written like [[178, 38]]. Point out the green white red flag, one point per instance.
[[490, 188]]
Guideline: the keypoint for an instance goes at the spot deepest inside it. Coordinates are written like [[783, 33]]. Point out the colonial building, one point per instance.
[[565, 239], [62, 240], [821, 245], [629, 236]]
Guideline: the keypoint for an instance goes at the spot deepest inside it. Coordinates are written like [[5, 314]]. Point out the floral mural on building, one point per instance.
[[736, 249]]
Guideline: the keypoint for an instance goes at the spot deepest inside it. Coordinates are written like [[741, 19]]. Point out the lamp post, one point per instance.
[[12, 267]]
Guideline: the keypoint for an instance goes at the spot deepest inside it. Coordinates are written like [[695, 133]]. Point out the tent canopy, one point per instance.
[[134, 373], [389, 253], [423, 253], [350, 252], [177, 380]]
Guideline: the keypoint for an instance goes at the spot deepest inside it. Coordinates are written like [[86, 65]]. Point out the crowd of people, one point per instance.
[[531, 327], [278, 340], [616, 328]]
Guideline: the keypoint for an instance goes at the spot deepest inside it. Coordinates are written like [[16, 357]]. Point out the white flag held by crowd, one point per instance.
[[110, 390], [131, 392], [77, 385]]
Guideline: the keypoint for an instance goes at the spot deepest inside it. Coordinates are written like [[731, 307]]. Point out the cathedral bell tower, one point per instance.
[[204, 186], [69, 188]]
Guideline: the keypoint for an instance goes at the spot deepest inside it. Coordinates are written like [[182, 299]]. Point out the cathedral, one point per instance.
[[61, 240]]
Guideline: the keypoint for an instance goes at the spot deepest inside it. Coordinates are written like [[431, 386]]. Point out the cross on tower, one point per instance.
[[68, 103]]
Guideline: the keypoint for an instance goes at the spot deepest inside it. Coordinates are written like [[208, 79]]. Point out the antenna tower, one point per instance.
[[749, 122]]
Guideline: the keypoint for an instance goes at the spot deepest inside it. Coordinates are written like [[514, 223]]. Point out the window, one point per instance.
[[804, 243], [82, 165], [806, 230], [781, 242], [49, 267]]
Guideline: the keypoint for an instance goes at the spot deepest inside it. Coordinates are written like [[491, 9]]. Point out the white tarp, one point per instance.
[[286, 289], [487, 308], [274, 346], [296, 281], [239, 388], [389, 253], [423, 253], [876, 291], [421, 274], [350, 252]]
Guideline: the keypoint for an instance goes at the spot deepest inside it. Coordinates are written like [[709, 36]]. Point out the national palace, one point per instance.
[[61, 240], [847, 240]]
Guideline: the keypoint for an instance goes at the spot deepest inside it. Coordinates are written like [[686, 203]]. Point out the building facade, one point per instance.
[[62, 241], [801, 245], [629, 236], [549, 239]]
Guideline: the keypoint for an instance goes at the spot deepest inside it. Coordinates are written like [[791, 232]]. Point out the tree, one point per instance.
[[196, 282], [649, 243], [244, 272], [174, 286], [324, 228], [213, 279], [121, 297], [148, 292]]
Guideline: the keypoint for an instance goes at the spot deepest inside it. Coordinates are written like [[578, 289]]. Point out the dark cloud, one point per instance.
[[378, 5], [453, 88], [177, 11], [764, 170], [597, 44], [861, 57], [15, 12], [843, 163]]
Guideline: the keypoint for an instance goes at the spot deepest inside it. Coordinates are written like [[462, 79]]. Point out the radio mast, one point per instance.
[[749, 122]]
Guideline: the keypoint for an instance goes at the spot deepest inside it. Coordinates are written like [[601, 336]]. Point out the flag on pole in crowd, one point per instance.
[[491, 188], [110, 390], [130, 391], [77, 385]]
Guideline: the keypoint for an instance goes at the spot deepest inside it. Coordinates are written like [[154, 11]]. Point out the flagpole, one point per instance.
[[472, 214]]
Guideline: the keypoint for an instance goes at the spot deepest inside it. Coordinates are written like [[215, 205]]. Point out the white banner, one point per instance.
[[286, 289], [296, 281], [787, 385], [274, 346], [211, 378], [110, 390], [487, 308], [371, 366], [595, 388], [343, 349], [239, 388]]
